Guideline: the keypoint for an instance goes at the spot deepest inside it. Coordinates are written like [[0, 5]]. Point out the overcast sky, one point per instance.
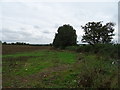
[[37, 22]]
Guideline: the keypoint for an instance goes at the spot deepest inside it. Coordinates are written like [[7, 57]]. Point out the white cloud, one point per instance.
[[37, 22], [59, 0]]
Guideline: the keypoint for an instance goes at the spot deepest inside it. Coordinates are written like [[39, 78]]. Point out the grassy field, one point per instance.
[[44, 67]]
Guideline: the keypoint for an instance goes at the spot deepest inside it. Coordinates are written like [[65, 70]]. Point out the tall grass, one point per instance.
[[107, 50]]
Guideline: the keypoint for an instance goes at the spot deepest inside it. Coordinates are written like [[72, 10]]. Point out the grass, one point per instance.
[[48, 68], [25, 64]]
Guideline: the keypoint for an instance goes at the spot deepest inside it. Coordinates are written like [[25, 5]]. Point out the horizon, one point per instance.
[[37, 23]]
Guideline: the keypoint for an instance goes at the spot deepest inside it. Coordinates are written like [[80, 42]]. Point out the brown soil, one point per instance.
[[12, 49]]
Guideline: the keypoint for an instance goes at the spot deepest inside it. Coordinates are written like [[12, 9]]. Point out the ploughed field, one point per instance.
[[25, 66]]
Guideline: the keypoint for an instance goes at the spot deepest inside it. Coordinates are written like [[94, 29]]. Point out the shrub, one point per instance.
[[72, 48], [85, 48], [107, 50]]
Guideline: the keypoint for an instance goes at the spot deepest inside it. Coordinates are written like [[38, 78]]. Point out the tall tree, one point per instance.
[[66, 36], [96, 33]]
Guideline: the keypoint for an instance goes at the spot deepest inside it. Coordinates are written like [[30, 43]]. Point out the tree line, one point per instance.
[[16, 43], [23, 43], [94, 33]]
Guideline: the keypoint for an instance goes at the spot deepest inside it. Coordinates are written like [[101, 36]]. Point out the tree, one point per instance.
[[96, 33], [4, 43], [66, 36]]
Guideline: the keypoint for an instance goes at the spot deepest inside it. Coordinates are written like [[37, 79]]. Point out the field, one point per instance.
[[45, 67]]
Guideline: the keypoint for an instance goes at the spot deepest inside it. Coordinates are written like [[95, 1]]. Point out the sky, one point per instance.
[[36, 22]]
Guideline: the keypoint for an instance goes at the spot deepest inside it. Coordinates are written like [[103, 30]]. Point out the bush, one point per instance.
[[72, 48], [107, 50], [85, 48]]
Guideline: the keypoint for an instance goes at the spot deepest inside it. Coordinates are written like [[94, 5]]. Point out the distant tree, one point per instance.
[[66, 36], [20, 43], [17, 43], [13, 43], [4, 43], [50, 44], [96, 33]]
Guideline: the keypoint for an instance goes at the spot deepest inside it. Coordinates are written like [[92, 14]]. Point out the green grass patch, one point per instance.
[[59, 69], [41, 60]]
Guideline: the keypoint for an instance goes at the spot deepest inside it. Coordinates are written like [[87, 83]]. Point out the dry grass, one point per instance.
[[11, 49]]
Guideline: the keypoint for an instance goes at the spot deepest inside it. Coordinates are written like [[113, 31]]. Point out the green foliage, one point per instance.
[[66, 36], [84, 48], [97, 72], [107, 50], [96, 33], [72, 48]]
